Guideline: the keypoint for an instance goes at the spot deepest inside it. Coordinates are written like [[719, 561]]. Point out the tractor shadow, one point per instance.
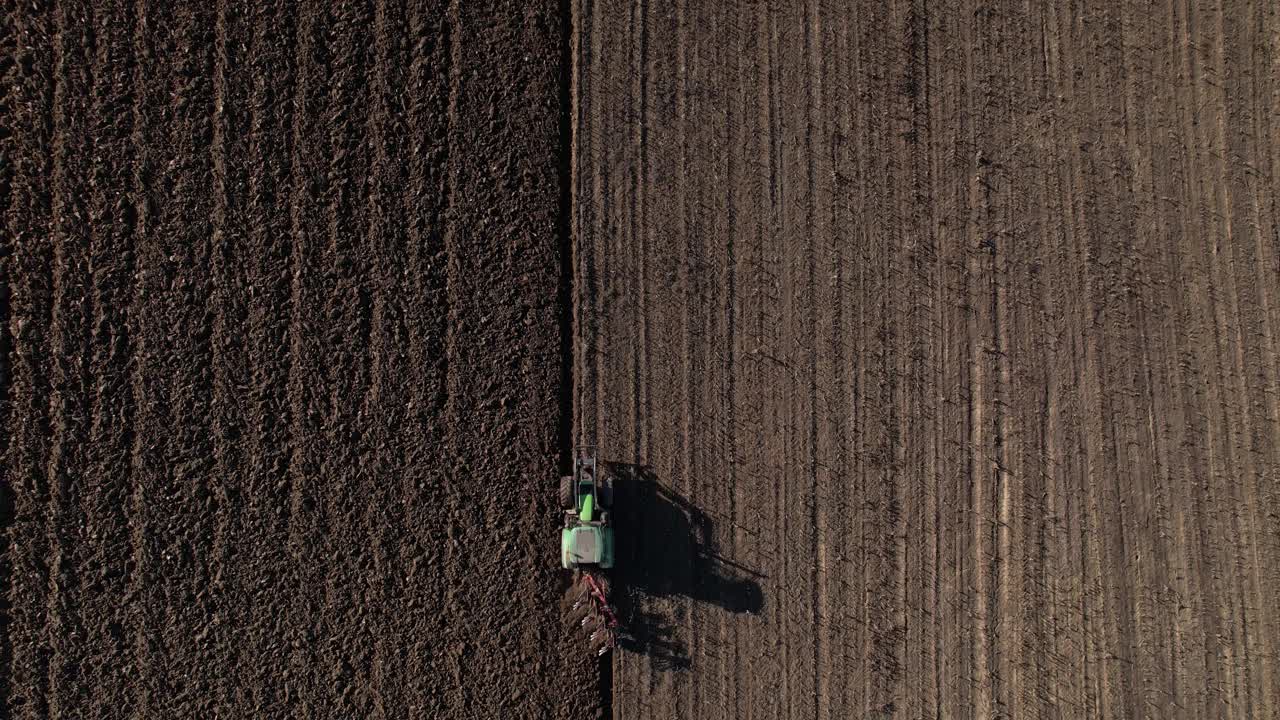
[[666, 550]]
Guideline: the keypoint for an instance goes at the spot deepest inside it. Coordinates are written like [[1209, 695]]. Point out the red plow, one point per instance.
[[598, 619]]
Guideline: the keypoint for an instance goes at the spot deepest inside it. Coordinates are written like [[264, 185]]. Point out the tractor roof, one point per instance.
[[584, 545]]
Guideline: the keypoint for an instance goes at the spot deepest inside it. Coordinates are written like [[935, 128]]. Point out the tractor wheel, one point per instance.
[[566, 492]]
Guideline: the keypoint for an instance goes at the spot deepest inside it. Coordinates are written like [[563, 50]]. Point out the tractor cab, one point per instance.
[[587, 537]]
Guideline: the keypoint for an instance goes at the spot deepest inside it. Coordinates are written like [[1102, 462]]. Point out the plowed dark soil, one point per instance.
[[284, 361], [938, 342]]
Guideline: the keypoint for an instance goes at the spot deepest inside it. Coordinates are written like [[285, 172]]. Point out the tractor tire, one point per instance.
[[566, 492]]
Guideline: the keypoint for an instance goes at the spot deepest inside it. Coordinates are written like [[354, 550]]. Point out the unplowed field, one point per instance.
[[938, 344], [283, 361]]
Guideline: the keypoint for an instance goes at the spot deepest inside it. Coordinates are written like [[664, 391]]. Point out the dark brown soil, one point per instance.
[[941, 342], [934, 348], [282, 416]]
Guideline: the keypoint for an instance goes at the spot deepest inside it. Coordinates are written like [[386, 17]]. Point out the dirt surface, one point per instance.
[[283, 403], [933, 347], [937, 344]]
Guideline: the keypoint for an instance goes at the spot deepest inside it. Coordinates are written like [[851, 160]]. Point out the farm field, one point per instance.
[[284, 359], [933, 348], [940, 343]]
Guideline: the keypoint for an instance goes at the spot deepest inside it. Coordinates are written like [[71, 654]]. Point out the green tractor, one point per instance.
[[586, 541]]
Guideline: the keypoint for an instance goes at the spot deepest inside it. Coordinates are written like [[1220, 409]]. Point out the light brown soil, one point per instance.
[[283, 409], [938, 344]]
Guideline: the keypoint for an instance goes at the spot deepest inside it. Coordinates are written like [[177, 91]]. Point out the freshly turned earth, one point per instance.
[[285, 370]]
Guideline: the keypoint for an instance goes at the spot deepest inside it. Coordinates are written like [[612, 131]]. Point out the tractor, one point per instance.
[[586, 547], [586, 541]]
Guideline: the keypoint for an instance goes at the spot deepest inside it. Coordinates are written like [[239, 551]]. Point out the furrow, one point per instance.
[[228, 373], [32, 86], [104, 553], [301, 465], [138, 520], [382, 365], [268, 248]]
